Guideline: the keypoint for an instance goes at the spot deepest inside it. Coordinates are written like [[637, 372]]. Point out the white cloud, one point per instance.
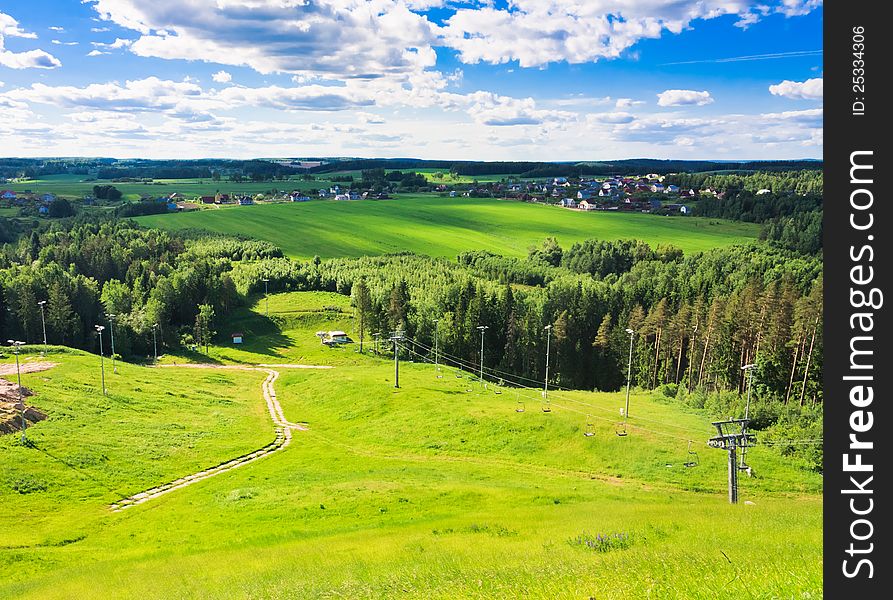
[[347, 38], [56, 28], [613, 117], [30, 59], [96, 53], [538, 32], [10, 27], [811, 89], [99, 29], [683, 98], [61, 43], [627, 103], [222, 77], [118, 43]]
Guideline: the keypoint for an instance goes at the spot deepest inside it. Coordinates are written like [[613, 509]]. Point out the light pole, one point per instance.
[[748, 369], [15, 349], [155, 340], [267, 295], [548, 329], [112, 335], [436, 366], [629, 371], [99, 330], [482, 329], [43, 321]]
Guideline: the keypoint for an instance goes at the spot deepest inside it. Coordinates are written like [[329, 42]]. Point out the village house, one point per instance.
[[657, 187], [7, 195], [568, 203], [587, 205]]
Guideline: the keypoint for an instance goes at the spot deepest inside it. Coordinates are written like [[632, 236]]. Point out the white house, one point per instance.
[[342, 196], [568, 203], [586, 205]]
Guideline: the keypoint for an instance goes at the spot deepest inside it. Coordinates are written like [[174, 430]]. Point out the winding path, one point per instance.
[[282, 426]]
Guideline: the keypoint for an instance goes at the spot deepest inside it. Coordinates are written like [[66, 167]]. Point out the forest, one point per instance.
[[697, 319]]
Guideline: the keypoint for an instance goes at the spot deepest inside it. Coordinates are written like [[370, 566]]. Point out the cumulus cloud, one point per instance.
[[684, 98], [538, 32], [30, 59], [349, 38], [222, 77], [811, 89]]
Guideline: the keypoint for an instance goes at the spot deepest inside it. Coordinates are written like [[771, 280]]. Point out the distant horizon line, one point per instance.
[[410, 158]]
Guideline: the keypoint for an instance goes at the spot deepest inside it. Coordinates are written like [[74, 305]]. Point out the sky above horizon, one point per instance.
[[438, 79]]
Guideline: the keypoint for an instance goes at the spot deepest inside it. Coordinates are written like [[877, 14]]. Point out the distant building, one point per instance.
[[237, 338]]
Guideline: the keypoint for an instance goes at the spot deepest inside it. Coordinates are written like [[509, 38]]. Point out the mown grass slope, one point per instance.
[[437, 226], [427, 491]]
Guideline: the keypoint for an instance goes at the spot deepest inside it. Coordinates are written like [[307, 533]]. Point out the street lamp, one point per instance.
[[112, 335], [267, 294], [629, 371], [15, 348], [436, 366], [482, 329], [99, 330], [548, 329], [42, 304]]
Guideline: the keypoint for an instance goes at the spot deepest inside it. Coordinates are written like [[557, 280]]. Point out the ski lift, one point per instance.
[[439, 375], [520, 406], [547, 408], [691, 462], [589, 427], [496, 390], [620, 428]]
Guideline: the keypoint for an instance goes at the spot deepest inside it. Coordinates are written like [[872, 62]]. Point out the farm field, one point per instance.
[[74, 186], [438, 226], [427, 491]]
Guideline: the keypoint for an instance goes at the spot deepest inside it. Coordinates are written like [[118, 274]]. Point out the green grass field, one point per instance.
[[437, 226], [427, 491], [74, 186]]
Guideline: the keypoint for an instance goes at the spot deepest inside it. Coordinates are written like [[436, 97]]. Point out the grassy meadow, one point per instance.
[[439, 226], [438, 489], [74, 186]]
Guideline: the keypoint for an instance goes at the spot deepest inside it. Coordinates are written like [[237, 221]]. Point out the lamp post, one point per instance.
[[629, 371], [436, 367], [99, 330], [112, 336], [15, 349], [548, 329], [42, 304], [267, 295], [482, 329]]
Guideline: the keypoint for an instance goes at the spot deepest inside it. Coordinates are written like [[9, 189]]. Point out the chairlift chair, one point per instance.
[[692, 463], [589, 427], [547, 408], [520, 406], [620, 430]]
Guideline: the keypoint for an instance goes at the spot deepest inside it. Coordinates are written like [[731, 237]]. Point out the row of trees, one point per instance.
[[145, 278], [804, 181]]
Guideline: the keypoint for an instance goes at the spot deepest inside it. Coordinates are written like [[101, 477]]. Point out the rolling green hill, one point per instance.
[[438, 226], [438, 489]]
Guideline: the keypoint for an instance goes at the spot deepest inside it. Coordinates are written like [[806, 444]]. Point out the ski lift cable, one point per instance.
[[574, 410], [473, 367]]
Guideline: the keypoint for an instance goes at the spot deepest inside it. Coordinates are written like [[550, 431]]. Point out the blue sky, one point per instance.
[[519, 80]]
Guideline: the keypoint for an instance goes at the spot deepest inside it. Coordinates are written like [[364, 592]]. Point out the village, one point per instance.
[[650, 193]]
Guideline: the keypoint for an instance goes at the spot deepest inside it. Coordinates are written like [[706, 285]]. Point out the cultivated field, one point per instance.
[[438, 226], [429, 491], [75, 186]]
